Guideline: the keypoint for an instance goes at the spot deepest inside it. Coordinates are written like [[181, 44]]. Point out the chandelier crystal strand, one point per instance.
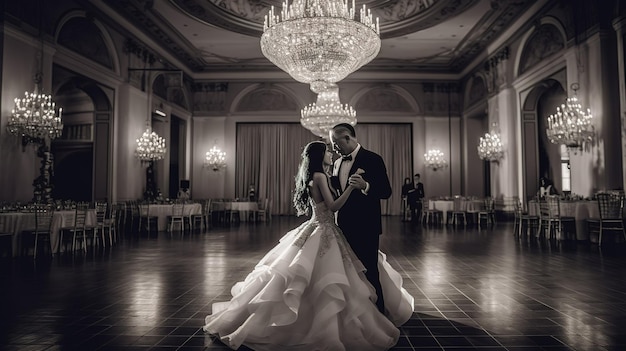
[[434, 159], [34, 117], [321, 116], [150, 147], [320, 40], [215, 159], [571, 125], [490, 147]]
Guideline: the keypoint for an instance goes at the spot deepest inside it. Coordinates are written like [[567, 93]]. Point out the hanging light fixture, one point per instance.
[[150, 147], [35, 119], [435, 160], [490, 146], [215, 159], [319, 117], [571, 124], [320, 42]]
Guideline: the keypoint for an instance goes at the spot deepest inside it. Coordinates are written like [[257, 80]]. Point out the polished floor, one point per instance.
[[474, 289]]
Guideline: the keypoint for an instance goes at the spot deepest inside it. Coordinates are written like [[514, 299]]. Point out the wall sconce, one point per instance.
[[435, 160]]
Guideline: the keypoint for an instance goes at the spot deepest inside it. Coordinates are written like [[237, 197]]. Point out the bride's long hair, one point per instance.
[[312, 161]]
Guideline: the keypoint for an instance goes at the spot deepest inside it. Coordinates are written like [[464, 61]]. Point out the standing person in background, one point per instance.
[[406, 187], [415, 197]]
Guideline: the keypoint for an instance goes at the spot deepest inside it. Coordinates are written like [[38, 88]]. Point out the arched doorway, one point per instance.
[[540, 157], [83, 152]]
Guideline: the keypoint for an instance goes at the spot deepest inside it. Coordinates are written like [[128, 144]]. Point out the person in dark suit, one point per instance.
[[415, 197], [360, 216], [406, 187]]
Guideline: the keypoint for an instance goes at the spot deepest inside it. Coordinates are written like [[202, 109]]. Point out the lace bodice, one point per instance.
[[321, 213]]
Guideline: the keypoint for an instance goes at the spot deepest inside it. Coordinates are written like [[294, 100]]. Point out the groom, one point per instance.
[[359, 218]]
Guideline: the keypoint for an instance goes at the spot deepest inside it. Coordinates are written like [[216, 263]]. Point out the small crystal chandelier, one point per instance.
[[150, 147], [435, 160], [34, 118], [319, 117], [320, 40], [490, 146], [215, 159], [571, 125]]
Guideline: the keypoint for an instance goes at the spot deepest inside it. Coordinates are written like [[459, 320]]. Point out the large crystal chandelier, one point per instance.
[[490, 146], [320, 40], [435, 159], [571, 124], [150, 147], [215, 159], [319, 117]]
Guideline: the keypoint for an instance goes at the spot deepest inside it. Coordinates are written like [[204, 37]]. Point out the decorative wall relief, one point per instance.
[[383, 99], [267, 99], [478, 91], [82, 36], [544, 42], [441, 98], [496, 70], [209, 96]]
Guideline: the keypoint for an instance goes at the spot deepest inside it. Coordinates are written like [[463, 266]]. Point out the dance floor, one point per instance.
[[474, 290]]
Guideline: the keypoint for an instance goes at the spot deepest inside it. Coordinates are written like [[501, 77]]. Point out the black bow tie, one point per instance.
[[346, 158]]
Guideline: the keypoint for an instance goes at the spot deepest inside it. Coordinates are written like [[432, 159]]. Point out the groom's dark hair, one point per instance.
[[345, 127]]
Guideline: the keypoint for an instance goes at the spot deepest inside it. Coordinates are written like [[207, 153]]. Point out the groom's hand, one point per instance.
[[357, 181]]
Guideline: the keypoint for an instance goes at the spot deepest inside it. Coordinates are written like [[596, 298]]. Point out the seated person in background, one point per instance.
[[252, 193], [546, 187], [183, 194]]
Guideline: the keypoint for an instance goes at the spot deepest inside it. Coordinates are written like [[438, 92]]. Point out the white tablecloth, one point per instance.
[[16, 222], [245, 208], [163, 211], [580, 210], [445, 206]]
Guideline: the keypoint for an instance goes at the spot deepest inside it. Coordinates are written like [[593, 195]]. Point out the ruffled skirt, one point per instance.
[[310, 293]]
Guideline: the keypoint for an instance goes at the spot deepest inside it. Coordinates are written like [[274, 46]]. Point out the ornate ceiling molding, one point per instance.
[[397, 17]]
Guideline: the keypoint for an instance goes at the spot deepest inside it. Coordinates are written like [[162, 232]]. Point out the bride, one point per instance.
[[309, 292]]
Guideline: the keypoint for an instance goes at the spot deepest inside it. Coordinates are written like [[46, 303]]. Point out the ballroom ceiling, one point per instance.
[[435, 36]]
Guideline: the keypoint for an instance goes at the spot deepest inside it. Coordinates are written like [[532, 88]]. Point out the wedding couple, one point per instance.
[[324, 286]]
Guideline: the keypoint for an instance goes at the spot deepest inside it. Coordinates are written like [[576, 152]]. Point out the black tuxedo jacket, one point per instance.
[[361, 213], [416, 194]]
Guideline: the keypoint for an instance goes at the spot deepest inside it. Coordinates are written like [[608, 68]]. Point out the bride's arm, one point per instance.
[[320, 181]]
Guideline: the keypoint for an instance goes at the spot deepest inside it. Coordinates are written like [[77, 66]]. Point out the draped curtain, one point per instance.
[[268, 155]]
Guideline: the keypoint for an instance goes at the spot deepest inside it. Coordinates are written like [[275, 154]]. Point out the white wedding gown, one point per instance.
[[309, 293]]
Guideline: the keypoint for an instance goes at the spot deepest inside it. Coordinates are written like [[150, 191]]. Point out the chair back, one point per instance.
[[459, 204], [265, 204], [610, 205], [80, 218], [207, 207], [489, 204], [116, 210], [43, 219], [519, 209], [178, 209], [549, 207], [101, 211]]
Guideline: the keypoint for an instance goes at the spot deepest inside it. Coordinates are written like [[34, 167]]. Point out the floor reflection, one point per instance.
[[474, 289]]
